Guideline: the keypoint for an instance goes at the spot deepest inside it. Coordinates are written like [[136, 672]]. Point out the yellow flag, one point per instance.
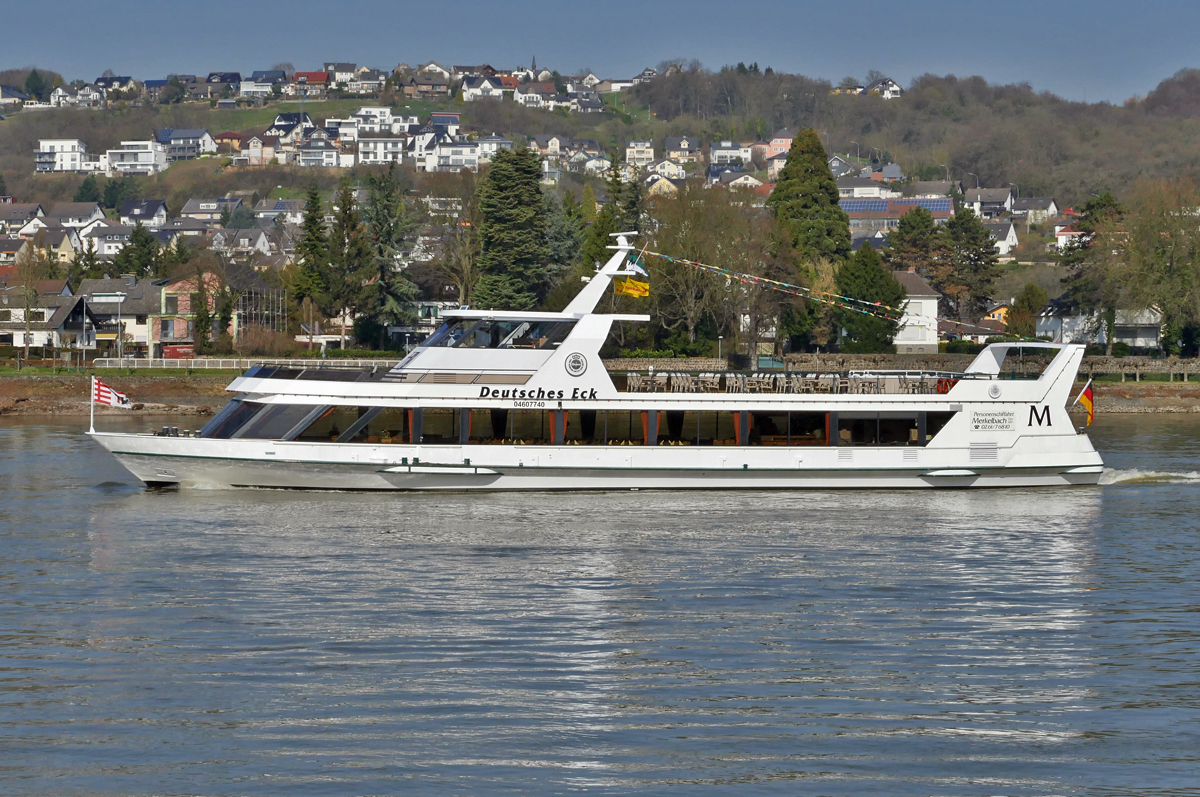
[[632, 287]]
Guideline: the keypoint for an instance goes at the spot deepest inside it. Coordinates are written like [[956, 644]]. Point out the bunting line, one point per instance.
[[817, 296]]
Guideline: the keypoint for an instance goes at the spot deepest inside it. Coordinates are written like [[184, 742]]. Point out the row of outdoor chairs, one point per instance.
[[801, 383]]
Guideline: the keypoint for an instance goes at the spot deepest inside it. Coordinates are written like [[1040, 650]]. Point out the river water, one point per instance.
[[904, 643]]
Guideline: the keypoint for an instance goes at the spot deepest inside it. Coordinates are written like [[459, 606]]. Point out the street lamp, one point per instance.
[[857, 150], [947, 168], [719, 339], [976, 176]]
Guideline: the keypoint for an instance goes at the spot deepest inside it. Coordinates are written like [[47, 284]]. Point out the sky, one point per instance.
[[1102, 50]]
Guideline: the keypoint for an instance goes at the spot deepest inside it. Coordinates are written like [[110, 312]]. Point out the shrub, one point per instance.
[[260, 341]]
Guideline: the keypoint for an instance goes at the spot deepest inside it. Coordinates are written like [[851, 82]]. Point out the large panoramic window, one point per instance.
[[472, 333]]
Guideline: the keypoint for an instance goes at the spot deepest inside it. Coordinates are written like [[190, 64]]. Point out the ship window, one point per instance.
[[330, 425], [935, 422], [229, 419], [275, 421], [501, 334], [880, 429], [439, 426]]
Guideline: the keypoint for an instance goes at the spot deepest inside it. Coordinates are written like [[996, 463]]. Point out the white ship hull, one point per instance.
[[499, 400], [187, 462]]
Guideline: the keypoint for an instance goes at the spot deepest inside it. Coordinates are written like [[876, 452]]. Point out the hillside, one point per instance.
[[1000, 135]]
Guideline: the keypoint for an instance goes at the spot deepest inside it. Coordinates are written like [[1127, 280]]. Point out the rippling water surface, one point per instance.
[[902, 643]]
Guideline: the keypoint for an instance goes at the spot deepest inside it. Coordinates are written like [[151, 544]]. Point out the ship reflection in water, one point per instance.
[[271, 642]]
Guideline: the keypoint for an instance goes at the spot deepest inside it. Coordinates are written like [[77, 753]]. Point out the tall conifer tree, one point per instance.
[[512, 233], [974, 262], [805, 201], [312, 251], [864, 276]]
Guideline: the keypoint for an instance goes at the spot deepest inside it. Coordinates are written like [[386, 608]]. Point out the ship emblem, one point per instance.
[[576, 364]]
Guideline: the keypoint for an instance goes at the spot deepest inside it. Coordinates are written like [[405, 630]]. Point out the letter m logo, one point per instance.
[[1042, 417]]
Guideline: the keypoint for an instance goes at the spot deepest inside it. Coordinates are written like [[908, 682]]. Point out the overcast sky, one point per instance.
[[1098, 50]]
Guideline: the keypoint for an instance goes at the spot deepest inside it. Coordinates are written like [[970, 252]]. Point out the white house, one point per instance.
[[482, 88], [864, 188], [1005, 236], [151, 213], [1035, 209], [886, 88], [454, 156], [76, 215], [723, 153], [918, 333], [639, 153], [381, 149], [345, 129], [60, 155], [988, 203], [1062, 323], [138, 157], [668, 168], [342, 72], [490, 145], [252, 88]]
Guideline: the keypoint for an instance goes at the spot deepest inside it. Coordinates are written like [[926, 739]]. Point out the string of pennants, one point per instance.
[[875, 309]]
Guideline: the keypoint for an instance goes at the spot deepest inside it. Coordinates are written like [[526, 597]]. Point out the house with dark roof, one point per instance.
[[150, 213], [271, 76], [989, 203], [918, 332], [186, 144], [683, 149], [885, 214], [290, 210], [115, 82], [1004, 233], [886, 88], [209, 210], [14, 215], [1035, 209], [57, 319], [75, 214], [427, 85], [232, 78], [11, 95], [121, 306]]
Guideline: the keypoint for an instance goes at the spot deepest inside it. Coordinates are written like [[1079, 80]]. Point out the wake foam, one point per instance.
[[1138, 476]]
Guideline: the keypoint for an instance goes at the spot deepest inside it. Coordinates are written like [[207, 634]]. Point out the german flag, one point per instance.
[[1088, 401], [632, 287]]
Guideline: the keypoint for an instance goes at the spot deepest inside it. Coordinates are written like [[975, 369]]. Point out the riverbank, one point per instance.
[[199, 395], [67, 394]]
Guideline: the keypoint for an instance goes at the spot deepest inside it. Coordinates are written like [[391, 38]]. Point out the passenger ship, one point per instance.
[[498, 400]]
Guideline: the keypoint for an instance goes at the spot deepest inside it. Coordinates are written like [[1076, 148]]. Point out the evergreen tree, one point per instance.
[[85, 265], [389, 298], [974, 262], [241, 219], [587, 205], [1086, 282], [3, 185], [512, 233], [201, 315], [805, 201], [312, 251], [570, 206], [633, 205], [349, 263], [563, 235], [916, 244], [88, 191], [1022, 316], [226, 215], [596, 238], [864, 276], [35, 86], [119, 191], [140, 256]]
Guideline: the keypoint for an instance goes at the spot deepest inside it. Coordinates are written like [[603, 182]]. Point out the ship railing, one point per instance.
[[792, 382]]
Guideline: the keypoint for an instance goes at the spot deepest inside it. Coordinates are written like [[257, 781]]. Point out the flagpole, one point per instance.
[[92, 406], [1077, 398]]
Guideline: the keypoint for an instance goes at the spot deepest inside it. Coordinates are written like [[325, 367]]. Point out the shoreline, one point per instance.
[[200, 395]]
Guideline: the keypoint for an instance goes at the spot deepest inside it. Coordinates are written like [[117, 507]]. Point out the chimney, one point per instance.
[[130, 279]]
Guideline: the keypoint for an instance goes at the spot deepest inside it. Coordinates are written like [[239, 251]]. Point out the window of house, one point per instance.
[[171, 304]]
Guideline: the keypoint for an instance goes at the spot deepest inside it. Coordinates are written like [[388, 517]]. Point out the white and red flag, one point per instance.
[[103, 394]]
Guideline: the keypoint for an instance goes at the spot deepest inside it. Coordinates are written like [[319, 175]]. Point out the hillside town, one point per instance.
[[256, 237]]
